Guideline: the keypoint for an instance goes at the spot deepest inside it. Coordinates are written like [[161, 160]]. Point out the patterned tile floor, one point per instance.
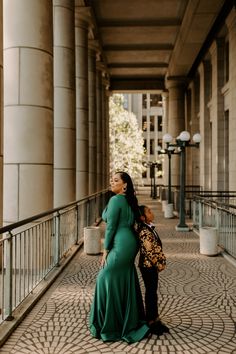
[[197, 300]]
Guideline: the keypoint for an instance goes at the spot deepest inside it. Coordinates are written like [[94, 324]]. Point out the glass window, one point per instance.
[[160, 171], [144, 101], [155, 100], [159, 123], [151, 146], [152, 124], [144, 123], [145, 144], [159, 142]]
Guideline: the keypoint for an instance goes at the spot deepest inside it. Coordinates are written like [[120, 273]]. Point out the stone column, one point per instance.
[[105, 130], [92, 117], [217, 114], [165, 116], [205, 126], [231, 24], [82, 126], [28, 108], [99, 131], [64, 102], [176, 118], [193, 164], [1, 113]]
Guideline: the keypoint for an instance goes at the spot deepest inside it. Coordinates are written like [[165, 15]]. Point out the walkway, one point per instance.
[[197, 301]]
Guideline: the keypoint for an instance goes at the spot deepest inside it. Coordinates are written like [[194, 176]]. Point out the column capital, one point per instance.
[[231, 19], [84, 19], [175, 81]]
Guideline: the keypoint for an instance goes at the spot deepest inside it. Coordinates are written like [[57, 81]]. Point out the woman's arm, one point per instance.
[[112, 219]]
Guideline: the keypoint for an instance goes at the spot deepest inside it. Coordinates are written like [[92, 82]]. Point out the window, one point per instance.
[[151, 146], [159, 123], [145, 144], [152, 123], [144, 101], [144, 123], [155, 100]]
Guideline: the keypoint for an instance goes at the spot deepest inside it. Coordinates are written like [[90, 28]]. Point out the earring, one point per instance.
[[124, 189]]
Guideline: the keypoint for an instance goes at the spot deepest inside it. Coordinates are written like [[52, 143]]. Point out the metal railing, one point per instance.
[[31, 248], [218, 210]]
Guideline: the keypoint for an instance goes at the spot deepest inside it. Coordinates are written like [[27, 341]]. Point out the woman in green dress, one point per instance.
[[117, 311]]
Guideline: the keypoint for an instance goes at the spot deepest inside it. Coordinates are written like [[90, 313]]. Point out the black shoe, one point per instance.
[[159, 328]]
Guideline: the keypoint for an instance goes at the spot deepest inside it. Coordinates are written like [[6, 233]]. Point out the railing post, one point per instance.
[[57, 239], [77, 222], [217, 219], [200, 208], [8, 278]]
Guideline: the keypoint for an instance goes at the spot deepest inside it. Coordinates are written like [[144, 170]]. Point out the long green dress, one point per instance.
[[117, 311]]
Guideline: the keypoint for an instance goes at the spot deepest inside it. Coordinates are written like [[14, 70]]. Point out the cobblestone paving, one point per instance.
[[197, 300]]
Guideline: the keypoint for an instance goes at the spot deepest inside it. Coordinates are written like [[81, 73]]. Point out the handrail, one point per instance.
[[28, 254], [217, 210], [35, 217]]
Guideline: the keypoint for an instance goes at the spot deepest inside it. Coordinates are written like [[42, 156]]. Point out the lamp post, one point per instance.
[[153, 166], [169, 152], [182, 141]]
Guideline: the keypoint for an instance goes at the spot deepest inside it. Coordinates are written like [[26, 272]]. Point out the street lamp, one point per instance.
[[153, 166], [182, 141], [169, 151]]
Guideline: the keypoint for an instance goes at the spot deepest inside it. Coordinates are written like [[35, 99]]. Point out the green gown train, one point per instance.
[[117, 311]]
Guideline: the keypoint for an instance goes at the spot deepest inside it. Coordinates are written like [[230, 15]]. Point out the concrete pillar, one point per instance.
[[82, 126], [231, 24], [217, 114], [28, 108], [92, 118], [99, 131], [105, 129], [205, 126], [64, 102], [165, 117], [193, 163], [1, 113], [176, 119]]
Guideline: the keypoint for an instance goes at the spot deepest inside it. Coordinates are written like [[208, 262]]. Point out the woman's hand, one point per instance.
[[104, 258]]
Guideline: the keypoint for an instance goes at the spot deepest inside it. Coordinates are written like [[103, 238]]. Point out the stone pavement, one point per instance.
[[197, 300]]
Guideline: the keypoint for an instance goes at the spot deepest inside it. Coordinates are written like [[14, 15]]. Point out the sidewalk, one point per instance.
[[197, 300]]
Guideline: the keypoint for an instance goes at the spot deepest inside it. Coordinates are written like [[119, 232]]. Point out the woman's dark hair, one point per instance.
[[130, 193]]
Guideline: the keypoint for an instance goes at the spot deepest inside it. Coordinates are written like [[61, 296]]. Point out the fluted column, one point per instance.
[[193, 164], [64, 102], [99, 130], [205, 126], [28, 108], [165, 117], [231, 25], [1, 113], [82, 126], [217, 113], [105, 133], [92, 118], [176, 117]]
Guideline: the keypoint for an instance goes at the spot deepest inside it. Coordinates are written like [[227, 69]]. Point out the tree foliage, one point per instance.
[[126, 140]]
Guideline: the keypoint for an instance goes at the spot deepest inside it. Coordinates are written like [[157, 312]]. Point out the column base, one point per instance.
[[183, 228]]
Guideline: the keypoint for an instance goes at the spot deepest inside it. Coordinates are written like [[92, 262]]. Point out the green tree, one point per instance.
[[126, 140]]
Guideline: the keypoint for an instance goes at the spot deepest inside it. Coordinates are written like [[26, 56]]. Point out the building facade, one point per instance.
[[55, 87]]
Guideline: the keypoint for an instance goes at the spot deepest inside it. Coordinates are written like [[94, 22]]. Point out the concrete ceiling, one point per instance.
[[145, 41]]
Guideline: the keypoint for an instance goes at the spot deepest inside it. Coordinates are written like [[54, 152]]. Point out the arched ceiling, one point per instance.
[[143, 42]]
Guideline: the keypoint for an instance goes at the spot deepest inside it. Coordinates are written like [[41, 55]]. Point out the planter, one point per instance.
[[208, 241], [92, 240]]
